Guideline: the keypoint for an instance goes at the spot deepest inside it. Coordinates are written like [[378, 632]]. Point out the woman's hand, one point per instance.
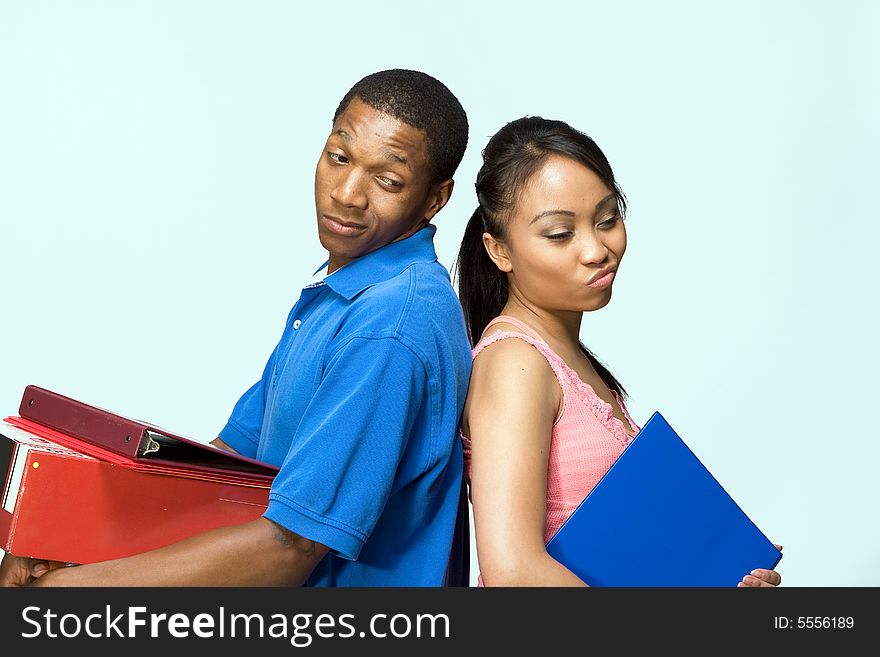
[[762, 577]]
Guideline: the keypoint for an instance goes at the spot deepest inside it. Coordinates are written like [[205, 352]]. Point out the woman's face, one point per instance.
[[565, 239]]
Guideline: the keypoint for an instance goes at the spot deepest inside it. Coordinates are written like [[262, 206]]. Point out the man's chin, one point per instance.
[[341, 249]]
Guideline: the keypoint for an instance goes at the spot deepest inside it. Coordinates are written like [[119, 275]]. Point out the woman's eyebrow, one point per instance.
[[601, 205], [605, 202], [547, 213]]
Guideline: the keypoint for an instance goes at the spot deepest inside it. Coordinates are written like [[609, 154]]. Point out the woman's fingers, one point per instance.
[[761, 578]]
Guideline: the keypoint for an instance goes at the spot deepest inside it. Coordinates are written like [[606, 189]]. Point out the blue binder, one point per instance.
[[659, 518]]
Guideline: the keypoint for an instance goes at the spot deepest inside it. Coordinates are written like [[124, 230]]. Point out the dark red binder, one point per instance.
[[121, 440], [62, 505]]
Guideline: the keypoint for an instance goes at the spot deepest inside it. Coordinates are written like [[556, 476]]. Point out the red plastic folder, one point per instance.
[[63, 505], [137, 444]]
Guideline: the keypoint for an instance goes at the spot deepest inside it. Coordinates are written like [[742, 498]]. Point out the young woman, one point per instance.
[[544, 419]]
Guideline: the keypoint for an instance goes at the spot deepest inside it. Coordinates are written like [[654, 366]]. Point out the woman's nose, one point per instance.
[[593, 250]]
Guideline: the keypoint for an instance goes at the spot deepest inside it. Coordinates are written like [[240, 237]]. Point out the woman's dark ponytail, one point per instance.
[[482, 287]]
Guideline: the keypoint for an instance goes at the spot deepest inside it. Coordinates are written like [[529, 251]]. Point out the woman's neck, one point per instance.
[[562, 327]]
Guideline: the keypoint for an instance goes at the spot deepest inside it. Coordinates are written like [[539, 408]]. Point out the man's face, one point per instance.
[[372, 184]]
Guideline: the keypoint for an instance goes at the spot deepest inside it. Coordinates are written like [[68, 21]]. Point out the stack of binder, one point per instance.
[[83, 484]]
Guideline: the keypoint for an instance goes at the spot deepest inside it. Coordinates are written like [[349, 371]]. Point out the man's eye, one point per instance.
[[390, 182], [337, 157]]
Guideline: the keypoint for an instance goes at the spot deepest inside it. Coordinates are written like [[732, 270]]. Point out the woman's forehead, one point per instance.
[[562, 180]]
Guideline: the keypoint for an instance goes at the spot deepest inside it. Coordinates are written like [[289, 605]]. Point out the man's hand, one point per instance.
[[23, 571]]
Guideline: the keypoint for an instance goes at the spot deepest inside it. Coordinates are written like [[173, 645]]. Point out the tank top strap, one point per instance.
[[521, 325]]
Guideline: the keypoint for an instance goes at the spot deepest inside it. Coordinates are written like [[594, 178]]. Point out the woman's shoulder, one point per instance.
[[505, 351], [512, 381]]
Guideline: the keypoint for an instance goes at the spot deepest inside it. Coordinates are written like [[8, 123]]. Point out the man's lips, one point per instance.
[[341, 226]]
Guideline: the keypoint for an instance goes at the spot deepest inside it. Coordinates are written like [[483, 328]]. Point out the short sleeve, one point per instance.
[[339, 473], [242, 430]]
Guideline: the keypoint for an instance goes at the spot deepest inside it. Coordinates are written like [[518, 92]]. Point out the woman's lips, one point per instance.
[[341, 227], [604, 281]]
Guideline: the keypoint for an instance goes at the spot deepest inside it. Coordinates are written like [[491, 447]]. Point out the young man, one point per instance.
[[359, 402]]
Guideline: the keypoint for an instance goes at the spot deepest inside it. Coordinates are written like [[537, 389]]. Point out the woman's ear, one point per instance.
[[497, 251]]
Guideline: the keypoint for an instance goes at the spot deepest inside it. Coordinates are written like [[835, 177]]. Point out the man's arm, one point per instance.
[[256, 553], [350, 441], [219, 443]]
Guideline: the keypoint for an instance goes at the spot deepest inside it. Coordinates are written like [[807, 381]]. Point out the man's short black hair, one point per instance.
[[423, 102]]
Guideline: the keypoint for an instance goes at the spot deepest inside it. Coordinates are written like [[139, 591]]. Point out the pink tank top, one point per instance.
[[586, 437]]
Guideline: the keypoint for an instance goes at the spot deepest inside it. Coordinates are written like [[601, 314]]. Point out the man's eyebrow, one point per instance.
[[547, 213], [397, 158], [389, 155]]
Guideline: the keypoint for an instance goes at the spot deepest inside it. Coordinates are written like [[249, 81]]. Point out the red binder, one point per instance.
[[62, 505], [140, 445]]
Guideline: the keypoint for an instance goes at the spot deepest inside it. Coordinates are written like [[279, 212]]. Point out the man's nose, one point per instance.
[[349, 190]]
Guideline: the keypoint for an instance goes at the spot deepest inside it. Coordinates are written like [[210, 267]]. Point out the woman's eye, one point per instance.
[[609, 222], [559, 236], [337, 157]]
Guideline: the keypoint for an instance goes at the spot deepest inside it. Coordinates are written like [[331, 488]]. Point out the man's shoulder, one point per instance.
[[422, 286], [413, 306]]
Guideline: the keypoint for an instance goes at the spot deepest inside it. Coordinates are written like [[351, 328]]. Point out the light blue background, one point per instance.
[[156, 183]]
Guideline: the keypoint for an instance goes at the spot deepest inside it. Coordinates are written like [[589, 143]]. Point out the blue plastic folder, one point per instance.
[[659, 518]]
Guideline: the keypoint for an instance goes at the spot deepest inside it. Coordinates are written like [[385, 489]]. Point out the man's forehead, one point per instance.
[[361, 123], [359, 114]]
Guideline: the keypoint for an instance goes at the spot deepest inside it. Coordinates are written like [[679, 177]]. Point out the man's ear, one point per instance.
[[439, 197], [497, 251]]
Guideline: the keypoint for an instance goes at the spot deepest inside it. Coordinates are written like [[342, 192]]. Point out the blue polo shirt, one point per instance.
[[359, 404]]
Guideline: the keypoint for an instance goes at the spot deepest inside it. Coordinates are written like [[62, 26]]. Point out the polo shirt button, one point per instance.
[[296, 324]]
